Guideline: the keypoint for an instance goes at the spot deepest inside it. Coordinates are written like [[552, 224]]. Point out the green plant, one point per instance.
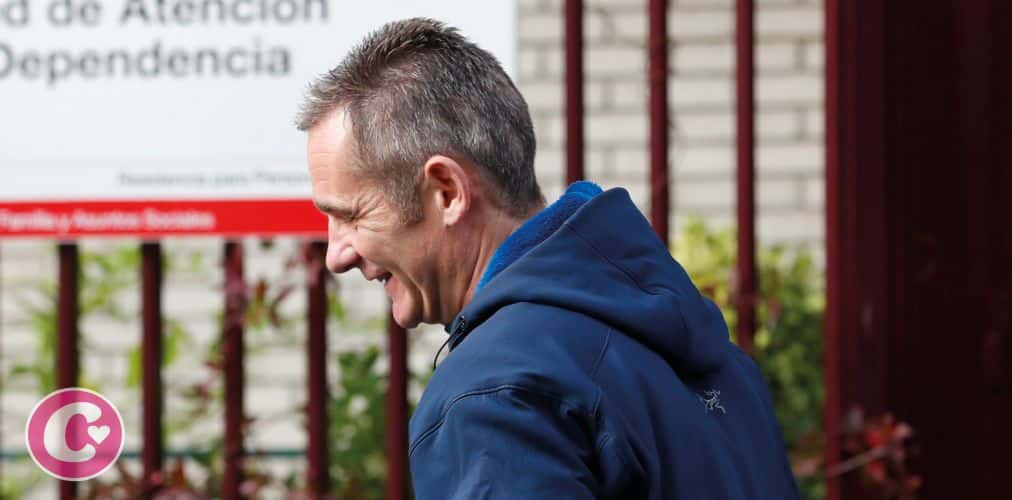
[[788, 340], [103, 276]]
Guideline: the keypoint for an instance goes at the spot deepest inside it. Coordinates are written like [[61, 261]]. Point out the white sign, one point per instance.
[[153, 104]]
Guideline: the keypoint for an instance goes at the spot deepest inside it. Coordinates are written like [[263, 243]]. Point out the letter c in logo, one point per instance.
[[55, 433], [98, 435]]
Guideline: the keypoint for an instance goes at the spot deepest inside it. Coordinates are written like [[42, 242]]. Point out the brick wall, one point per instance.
[[788, 92]]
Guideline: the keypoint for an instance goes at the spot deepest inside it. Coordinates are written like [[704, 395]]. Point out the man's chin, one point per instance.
[[403, 320]]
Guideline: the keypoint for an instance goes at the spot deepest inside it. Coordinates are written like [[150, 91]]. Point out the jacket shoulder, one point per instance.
[[531, 347]]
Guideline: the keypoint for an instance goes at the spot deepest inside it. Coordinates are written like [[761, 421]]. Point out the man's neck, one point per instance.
[[493, 235]]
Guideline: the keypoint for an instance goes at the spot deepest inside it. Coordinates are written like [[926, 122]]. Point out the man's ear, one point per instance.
[[446, 188]]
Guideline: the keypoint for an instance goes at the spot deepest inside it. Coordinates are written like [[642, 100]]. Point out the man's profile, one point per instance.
[[583, 361]]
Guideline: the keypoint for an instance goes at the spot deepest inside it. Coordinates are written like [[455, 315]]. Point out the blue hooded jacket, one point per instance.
[[587, 365]]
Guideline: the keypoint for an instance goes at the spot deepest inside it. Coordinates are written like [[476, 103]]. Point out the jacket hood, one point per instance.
[[605, 261]]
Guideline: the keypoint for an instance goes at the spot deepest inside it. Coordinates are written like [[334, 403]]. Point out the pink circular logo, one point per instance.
[[74, 434]]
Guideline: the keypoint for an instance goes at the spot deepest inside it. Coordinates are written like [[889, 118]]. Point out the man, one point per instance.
[[583, 362]]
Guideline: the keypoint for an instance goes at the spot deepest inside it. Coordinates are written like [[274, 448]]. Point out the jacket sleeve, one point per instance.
[[505, 443]]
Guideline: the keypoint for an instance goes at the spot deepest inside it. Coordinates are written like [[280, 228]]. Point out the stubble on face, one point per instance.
[[365, 230]]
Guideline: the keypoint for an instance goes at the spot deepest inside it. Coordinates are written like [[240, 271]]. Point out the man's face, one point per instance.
[[364, 230]]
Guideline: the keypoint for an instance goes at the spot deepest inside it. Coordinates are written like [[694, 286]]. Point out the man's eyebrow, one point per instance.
[[338, 211]]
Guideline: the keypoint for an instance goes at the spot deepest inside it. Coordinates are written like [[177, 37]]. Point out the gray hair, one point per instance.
[[416, 88]]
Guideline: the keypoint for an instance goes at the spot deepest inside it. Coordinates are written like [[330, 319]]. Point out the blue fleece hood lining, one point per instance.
[[538, 228]]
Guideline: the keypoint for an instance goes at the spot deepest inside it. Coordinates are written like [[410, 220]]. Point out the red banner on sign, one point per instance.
[[162, 218]]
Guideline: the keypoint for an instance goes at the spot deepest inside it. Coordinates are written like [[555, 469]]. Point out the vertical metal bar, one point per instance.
[[658, 74], [316, 376], [745, 42], [151, 366], [67, 354], [574, 90], [232, 365], [397, 412], [833, 419]]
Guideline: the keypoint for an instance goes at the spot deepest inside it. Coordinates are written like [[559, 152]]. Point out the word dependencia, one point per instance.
[[152, 59], [150, 62]]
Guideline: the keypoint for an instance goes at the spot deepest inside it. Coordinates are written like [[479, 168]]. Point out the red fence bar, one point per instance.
[[232, 365], [151, 366], [67, 355], [658, 53], [574, 90], [397, 412], [833, 418], [745, 42], [317, 478]]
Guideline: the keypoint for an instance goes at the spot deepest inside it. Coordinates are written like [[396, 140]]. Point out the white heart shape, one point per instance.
[[98, 434]]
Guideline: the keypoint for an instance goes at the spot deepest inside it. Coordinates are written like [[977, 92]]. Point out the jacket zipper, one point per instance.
[[457, 331]]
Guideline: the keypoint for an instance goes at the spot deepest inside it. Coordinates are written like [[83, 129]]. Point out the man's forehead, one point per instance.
[[331, 135]]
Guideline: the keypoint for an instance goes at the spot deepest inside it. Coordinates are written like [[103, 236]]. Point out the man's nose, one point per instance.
[[341, 257]]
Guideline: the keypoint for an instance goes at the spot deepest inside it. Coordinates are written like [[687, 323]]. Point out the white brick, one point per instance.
[[27, 264], [723, 126], [814, 55], [12, 309], [800, 157], [815, 123], [280, 365], [803, 20], [541, 28], [108, 334], [611, 5], [790, 89], [690, 58], [629, 95], [185, 300], [716, 160], [695, 127], [689, 24], [815, 193], [596, 95], [776, 56], [700, 92], [17, 343], [614, 61], [631, 163], [552, 5], [548, 164], [531, 62], [778, 192], [598, 165], [529, 6], [27, 248], [695, 195], [549, 129], [796, 227], [778, 125], [266, 400], [553, 61], [611, 26], [543, 96], [612, 129], [761, 4], [703, 3], [275, 433]]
